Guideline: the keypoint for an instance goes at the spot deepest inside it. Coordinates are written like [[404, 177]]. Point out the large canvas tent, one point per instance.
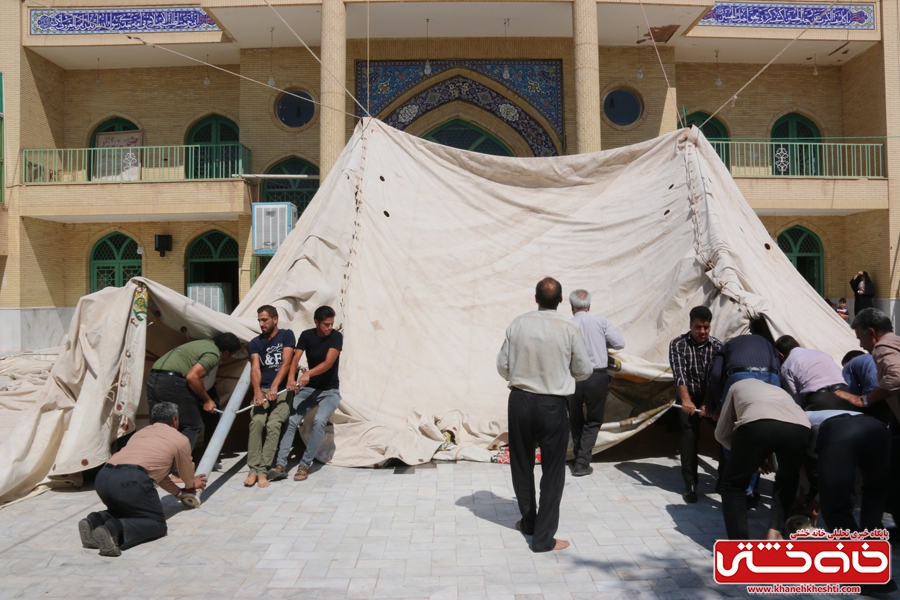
[[427, 253]]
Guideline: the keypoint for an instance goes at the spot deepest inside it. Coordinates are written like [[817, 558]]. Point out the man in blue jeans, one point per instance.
[[317, 387]]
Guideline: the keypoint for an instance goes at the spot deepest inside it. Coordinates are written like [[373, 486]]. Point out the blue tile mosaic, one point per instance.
[[539, 82], [82, 21], [466, 90], [739, 14]]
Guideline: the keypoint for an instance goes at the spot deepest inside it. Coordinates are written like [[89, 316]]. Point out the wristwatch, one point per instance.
[[865, 400]]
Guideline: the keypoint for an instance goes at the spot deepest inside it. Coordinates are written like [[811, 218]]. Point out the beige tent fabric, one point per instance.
[[427, 253]]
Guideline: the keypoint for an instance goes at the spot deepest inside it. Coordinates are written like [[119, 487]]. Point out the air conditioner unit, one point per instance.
[[216, 296], [272, 222]]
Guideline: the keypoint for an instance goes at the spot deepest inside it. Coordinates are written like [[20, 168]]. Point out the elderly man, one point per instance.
[[758, 419], [588, 403], [177, 377], [270, 358], [127, 485], [542, 357], [689, 357]]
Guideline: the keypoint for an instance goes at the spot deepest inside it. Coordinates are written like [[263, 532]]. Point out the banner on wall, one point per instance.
[[117, 156]]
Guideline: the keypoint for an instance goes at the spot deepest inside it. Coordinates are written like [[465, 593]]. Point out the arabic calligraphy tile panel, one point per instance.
[[466, 90], [537, 81], [739, 14], [130, 20]]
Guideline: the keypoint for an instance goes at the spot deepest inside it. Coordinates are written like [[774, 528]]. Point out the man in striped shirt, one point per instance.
[[689, 356]]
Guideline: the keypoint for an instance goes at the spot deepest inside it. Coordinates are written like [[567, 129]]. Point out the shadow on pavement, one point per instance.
[[490, 507]]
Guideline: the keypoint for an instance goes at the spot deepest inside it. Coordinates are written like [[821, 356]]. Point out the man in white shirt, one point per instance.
[[542, 357], [588, 403]]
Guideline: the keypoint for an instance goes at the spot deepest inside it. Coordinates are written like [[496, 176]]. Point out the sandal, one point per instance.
[[277, 473], [302, 473]]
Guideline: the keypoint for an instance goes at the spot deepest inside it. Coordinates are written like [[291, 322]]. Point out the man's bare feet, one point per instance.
[[561, 545], [262, 481], [250, 481], [774, 534]]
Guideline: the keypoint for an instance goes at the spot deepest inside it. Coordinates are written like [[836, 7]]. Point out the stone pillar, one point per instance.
[[891, 45], [332, 120], [587, 76]]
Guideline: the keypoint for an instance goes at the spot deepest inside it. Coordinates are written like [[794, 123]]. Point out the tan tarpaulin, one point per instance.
[[427, 253]]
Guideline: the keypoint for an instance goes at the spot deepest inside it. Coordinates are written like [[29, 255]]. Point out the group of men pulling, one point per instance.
[[180, 405]]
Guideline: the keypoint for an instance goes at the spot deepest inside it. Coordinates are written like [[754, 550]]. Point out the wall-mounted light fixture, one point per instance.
[[162, 244]]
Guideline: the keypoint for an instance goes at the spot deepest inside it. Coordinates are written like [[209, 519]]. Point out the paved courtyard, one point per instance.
[[433, 531]]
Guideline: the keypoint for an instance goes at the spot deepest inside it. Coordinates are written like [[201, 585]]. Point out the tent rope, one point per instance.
[[734, 96], [661, 65], [196, 60]]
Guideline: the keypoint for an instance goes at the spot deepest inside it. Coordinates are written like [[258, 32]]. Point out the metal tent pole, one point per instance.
[[218, 438]]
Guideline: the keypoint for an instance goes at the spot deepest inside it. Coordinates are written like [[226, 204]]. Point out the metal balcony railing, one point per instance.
[[137, 163], [775, 158]]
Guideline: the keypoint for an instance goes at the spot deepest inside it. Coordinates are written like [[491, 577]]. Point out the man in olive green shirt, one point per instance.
[[177, 377]]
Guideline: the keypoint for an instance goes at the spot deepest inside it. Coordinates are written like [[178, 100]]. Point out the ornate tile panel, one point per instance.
[[740, 14], [538, 81], [82, 21], [466, 90]]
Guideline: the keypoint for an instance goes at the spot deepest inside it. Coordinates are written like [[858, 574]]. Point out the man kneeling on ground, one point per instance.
[[127, 485], [270, 355], [317, 387]]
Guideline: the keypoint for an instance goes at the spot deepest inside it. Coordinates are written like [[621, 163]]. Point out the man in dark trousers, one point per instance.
[[317, 387], [689, 356], [270, 358], [177, 377], [127, 485], [542, 357], [588, 403]]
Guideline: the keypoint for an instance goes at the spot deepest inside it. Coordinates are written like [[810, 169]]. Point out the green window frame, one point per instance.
[[805, 251], [715, 131], [466, 136], [299, 192], [796, 148], [213, 258], [114, 261], [117, 124], [218, 155]]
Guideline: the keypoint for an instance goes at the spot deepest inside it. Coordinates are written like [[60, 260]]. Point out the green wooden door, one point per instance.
[[114, 261], [804, 249], [216, 153], [213, 258], [796, 150]]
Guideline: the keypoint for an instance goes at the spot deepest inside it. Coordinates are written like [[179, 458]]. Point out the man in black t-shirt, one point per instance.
[[271, 355], [316, 387]]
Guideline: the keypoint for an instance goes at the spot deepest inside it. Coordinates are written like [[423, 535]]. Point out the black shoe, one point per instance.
[[878, 588], [752, 501], [582, 470], [107, 542], [86, 531], [277, 473], [690, 494]]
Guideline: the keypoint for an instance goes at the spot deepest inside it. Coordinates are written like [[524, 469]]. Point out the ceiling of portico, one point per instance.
[[618, 25]]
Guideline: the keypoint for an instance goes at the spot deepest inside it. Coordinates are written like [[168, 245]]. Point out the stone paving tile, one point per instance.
[[444, 533]]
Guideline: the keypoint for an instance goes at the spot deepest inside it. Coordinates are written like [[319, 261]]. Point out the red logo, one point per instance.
[[802, 561]]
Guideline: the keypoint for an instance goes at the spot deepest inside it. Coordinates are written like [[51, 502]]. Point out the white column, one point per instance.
[[587, 76], [332, 120]]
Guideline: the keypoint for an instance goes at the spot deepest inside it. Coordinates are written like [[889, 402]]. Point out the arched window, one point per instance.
[[796, 150], [298, 191], [459, 134], [714, 131], [213, 258], [804, 249], [113, 125], [218, 155], [114, 261]]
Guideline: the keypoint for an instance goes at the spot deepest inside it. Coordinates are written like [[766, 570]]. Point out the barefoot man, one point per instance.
[[541, 358], [271, 355]]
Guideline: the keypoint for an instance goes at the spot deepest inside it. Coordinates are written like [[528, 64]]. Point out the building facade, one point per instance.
[[115, 141]]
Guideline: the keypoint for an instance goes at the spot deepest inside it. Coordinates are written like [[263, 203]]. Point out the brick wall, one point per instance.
[[862, 90], [781, 89], [43, 102]]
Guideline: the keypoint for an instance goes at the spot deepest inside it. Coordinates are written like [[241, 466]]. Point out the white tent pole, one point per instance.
[[218, 438]]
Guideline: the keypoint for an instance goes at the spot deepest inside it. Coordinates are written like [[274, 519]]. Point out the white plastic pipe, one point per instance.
[[211, 455]]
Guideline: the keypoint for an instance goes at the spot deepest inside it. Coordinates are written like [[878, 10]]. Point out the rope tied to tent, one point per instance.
[[661, 65]]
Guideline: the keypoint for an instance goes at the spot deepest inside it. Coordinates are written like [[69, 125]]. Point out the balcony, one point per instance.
[[791, 177], [774, 158], [134, 164]]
